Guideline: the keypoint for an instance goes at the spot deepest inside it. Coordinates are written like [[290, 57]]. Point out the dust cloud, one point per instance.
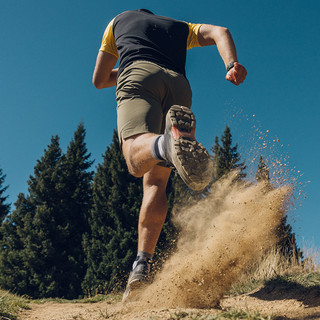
[[222, 236]]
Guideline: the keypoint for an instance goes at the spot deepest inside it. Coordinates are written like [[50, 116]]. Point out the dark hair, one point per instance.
[[145, 10]]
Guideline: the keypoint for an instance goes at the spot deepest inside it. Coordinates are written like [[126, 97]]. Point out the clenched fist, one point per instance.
[[236, 74]]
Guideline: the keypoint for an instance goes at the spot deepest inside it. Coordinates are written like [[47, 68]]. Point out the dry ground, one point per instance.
[[280, 302]]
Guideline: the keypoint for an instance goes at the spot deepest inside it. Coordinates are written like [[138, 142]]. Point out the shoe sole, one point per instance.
[[189, 157]]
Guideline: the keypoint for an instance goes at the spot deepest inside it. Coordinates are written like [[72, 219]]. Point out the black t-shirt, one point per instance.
[[139, 35], [143, 36]]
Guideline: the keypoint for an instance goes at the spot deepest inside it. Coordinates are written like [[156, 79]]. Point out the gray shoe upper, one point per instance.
[[141, 271]]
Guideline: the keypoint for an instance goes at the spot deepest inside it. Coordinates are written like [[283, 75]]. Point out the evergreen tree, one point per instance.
[[14, 249], [225, 157], [4, 208], [28, 256], [287, 244], [263, 173], [41, 248], [76, 204], [111, 245]]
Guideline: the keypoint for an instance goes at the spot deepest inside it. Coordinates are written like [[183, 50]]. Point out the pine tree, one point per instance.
[[287, 244], [225, 157], [111, 244], [14, 273], [4, 208], [41, 248], [76, 204], [28, 256], [217, 159], [263, 173]]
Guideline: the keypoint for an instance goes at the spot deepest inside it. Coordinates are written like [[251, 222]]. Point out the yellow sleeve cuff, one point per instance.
[[108, 43], [192, 40]]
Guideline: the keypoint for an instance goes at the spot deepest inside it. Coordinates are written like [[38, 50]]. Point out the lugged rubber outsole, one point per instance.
[[189, 157]]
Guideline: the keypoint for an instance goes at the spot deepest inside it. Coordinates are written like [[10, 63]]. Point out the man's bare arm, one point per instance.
[[104, 76], [220, 36]]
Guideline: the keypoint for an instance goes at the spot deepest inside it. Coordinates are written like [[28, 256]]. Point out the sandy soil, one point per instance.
[[279, 302]]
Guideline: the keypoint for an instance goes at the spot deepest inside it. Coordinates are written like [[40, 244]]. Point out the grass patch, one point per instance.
[[45, 300], [298, 285], [240, 288], [276, 267], [221, 315], [10, 305], [110, 298], [305, 279], [241, 314]]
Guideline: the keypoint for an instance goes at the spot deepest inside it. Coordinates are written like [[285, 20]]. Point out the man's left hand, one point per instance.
[[237, 74]]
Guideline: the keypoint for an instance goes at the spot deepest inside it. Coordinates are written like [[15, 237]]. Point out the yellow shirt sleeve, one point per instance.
[[192, 40], [108, 43]]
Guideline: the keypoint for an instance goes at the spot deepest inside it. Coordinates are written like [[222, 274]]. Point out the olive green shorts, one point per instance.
[[145, 93]]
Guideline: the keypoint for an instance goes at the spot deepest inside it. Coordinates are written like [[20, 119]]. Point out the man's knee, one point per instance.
[[134, 171], [126, 151], [136, 151]]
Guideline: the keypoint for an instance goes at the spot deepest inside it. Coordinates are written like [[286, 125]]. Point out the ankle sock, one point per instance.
[[141, 255], [157, 149]]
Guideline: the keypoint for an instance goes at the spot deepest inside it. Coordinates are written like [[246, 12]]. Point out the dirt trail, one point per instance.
[[222, 237], [293, 308]]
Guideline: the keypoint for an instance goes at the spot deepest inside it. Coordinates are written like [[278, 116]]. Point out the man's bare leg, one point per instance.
[[154, 205], [142, 152], [137, 152], [153, 209]]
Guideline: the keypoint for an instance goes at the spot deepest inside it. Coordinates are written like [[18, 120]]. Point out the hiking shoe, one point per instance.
[[139, 277], [189, 157]]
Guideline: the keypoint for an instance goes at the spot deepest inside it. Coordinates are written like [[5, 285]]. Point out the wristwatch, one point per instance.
[[230, 66]]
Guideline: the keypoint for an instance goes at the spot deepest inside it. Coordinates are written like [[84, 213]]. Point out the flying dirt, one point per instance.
[[222, 236]]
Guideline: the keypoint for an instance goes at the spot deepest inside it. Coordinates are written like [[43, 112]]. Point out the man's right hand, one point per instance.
[[237, 74]]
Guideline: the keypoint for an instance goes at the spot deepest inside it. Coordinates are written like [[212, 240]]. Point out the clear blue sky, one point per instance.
[[48, 52]]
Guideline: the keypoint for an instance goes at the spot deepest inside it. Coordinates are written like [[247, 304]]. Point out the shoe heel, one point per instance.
[[183, 121]]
